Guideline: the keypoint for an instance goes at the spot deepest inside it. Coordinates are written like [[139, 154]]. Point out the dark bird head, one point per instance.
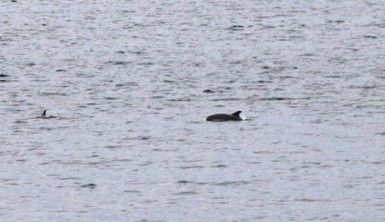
[[44, 114]]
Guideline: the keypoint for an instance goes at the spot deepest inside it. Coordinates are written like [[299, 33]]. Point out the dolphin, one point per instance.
[[225, 117], [44, 115]]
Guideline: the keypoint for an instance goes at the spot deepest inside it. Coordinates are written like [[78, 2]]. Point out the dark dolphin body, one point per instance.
[[44, 115], [225, 117]]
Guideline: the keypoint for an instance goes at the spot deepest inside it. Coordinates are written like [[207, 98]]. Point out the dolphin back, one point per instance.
[[222, 117]]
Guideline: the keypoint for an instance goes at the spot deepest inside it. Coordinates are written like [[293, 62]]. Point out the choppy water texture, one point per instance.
[[131, 83]]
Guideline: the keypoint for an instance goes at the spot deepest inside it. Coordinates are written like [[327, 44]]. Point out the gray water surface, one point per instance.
[[126, 81]]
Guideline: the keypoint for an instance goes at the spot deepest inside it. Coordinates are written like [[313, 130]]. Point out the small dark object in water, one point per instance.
[[265, 67], [183, 181], [208, 91], [44, 115], [13, 1], [225, 117], [236, 27], [3, 75], [370, 36], [88, 185], [31, 64]]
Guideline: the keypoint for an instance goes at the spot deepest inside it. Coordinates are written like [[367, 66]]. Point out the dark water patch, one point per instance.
[[4, 75], [370, 36], [30, 64], [110, 98], [333, 76], [118, 63], [282, 98], [264, 81], [308, 54], [219, 166], [338, 60], [136, 52], [20, 121], [146, 163], [13, 184], [312, 163], [326, 166], [40, 80], [89, 186], [52, 94], [312, 200], [127, 84], [179, 100], [295, 37], [44, 163], [262, 152], [268, 26], [287, 77], [69, 178], [112, 147], [265, 67], [60, 70], [146, 63], [187, 193], [363, 87], [191, 167], [237, 62], [88, 104], [377, 162], [120, 52], [253, 162], [122, 160], [280, 15], [227, 99], [236, 27], [197, 64], [143, 138], [230, 183], [46, 128], [228, 87], [336, 21], [93, 156], [183, 181], [131, 191]]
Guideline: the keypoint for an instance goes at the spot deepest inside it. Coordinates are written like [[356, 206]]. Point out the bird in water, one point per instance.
[[225, 117], [44, 115]]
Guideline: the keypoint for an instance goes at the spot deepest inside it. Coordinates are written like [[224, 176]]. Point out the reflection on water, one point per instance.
[[131, 84]]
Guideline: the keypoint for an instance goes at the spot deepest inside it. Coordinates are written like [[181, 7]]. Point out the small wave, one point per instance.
[[230, 183], [236, 28], [186, 193], [282, 98]]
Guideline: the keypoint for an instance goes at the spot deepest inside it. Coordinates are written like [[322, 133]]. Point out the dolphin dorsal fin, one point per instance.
[[44, 114], [236, 114]]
